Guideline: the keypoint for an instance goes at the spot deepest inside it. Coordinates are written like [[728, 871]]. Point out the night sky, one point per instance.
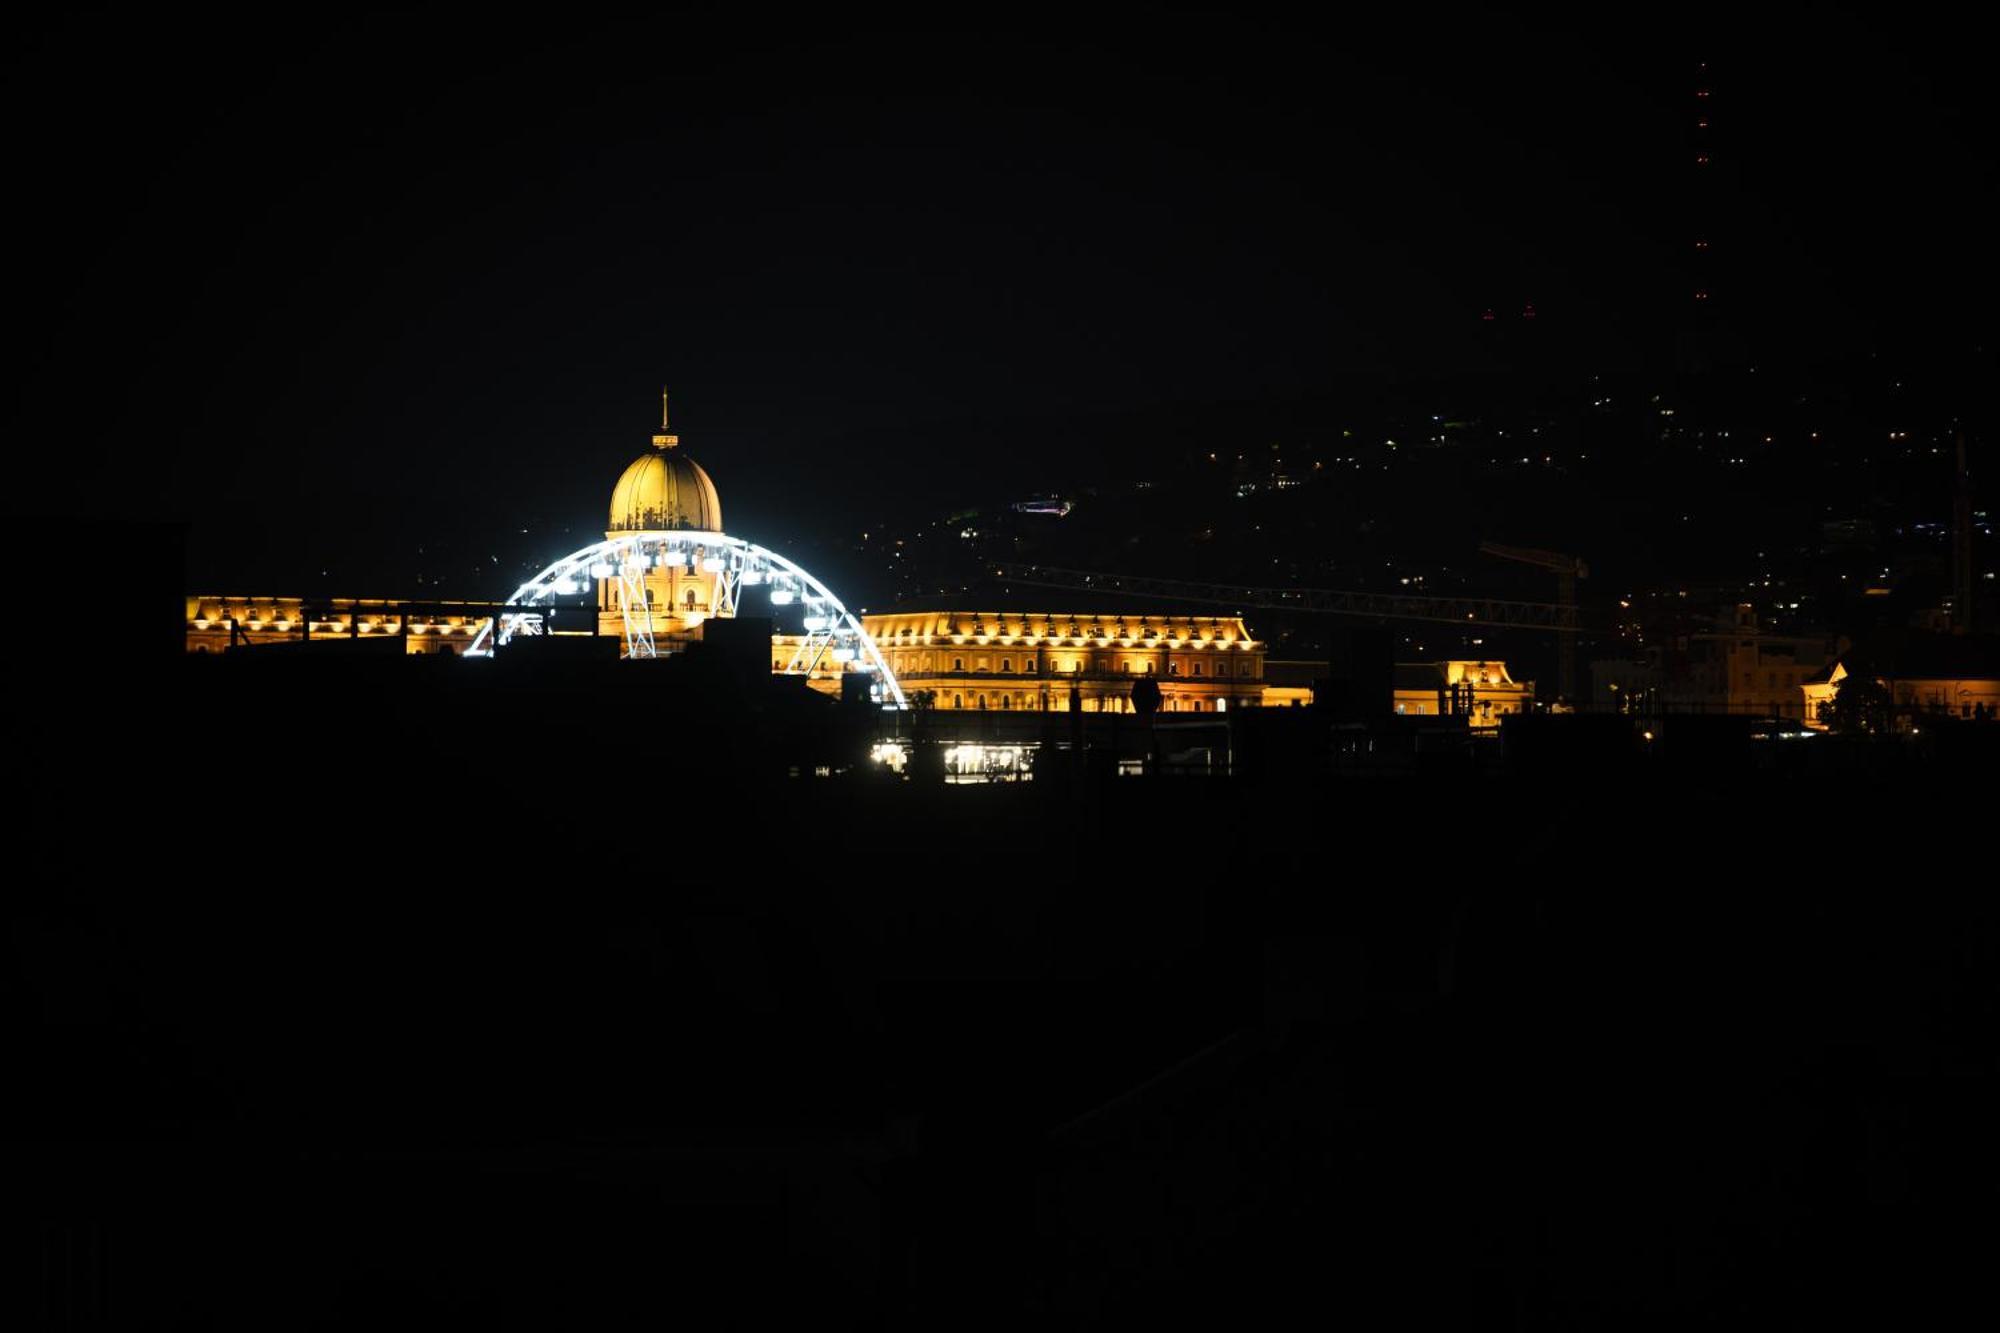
[[340, 278]]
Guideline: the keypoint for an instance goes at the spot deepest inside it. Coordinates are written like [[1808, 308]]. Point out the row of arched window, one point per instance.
[[1217, 631], [919, 663], [1093, 704]]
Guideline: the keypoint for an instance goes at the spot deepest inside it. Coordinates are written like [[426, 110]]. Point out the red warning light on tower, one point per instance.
[[1697, 215]]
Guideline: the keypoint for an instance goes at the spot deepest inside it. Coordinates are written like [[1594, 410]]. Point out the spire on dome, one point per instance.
[[663, 440]]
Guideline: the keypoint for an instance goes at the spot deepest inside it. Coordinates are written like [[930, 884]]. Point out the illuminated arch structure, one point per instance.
[[832, 633], [665, 567]]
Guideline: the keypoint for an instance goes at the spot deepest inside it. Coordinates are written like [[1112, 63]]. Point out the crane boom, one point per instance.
[[1558, 561]]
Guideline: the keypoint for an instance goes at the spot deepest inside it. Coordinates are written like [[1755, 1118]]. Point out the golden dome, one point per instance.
[[665, 490]]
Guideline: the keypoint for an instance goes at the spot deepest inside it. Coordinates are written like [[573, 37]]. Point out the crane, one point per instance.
[[1567, 569]]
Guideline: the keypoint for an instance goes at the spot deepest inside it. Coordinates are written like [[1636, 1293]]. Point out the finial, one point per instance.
[[663, 440]]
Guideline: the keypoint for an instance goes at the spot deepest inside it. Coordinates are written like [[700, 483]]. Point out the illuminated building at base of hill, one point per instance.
[[1055, 661], [1917, 674], [1481, 692], [1730, 665], [1740, 667], [218, 623]]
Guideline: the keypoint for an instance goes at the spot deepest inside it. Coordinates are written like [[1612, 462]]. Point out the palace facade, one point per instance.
[[218, 623], [1061, 660]]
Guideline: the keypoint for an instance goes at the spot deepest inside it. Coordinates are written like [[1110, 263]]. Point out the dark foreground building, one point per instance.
[[344, 987]]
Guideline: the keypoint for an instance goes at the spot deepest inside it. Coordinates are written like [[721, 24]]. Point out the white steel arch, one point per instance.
[[833, 634]]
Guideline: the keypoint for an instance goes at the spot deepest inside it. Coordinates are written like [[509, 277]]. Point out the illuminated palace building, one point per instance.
[[666, 568], [948, 658], [217, 623], [1046, 660]]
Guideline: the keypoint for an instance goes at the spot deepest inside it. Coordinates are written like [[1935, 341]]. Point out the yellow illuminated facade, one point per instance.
[[1936, 693], [1819, 694], [1482, 692], [214, 623], [1021, 660], [1287, 696]]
